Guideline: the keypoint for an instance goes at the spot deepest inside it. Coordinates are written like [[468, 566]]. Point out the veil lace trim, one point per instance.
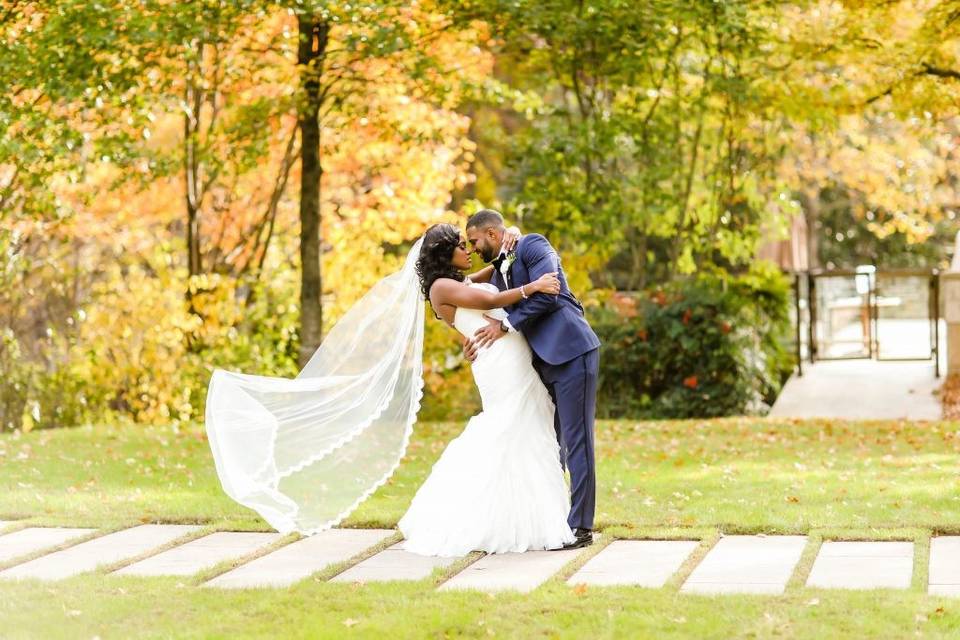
[[306, 452]]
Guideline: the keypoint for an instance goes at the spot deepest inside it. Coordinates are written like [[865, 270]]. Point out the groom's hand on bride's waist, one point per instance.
[[489, 334], [469, 349]]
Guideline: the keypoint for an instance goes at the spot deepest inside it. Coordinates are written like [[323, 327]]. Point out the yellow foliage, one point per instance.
[[897, 171], [131, 346], [149, 335]]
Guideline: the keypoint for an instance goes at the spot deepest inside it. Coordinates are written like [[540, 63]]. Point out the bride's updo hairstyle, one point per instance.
[[436, 256]]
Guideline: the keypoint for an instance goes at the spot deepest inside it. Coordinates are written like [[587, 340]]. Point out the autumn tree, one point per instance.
[[868, 147], [649, 138]]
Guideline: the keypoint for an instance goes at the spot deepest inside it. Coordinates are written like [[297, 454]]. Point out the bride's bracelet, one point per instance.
[[523, 294]]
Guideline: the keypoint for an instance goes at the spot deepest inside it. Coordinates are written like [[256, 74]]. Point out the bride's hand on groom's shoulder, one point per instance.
[[510, 238]]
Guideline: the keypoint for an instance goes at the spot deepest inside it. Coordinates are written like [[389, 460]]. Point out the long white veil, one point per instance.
[[305, 452]]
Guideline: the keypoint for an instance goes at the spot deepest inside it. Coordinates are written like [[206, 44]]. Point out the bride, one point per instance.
[[305, 452], [499, 486]]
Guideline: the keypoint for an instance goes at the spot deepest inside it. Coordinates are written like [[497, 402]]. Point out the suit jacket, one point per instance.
[[553, 325]]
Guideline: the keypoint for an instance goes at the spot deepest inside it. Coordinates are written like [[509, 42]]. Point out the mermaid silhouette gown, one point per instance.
[[499, 486]]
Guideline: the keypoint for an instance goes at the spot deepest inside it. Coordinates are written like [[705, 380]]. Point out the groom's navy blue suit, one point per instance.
[[567, 358]]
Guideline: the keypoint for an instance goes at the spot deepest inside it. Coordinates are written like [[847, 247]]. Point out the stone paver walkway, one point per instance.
[[511, 571], [298, 560], [736, 564], [107, 549], [863, 565], [31, 539], [945, 566], [645, 563], [200, 554], [393, 564], [747, 564], [861, 389]]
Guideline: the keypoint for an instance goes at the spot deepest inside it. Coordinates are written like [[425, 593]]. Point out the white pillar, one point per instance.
[[950, 293]]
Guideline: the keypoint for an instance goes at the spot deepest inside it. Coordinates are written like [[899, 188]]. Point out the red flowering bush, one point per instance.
[[711, 345]]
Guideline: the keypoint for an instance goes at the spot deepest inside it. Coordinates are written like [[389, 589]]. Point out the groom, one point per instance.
[[566, 352]]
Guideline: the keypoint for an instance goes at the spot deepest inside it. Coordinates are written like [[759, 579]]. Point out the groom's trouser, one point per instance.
[[573, 388]]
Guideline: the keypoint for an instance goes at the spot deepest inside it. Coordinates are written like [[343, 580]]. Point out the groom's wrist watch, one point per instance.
[[503, 327]]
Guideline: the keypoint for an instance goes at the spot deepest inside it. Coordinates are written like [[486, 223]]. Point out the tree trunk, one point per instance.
[[685, 201], [191, 170], [810, 202], [194, 197], [193, 240], [313, 44], [638, 253]]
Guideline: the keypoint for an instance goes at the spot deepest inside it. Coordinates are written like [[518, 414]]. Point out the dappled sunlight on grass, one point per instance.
[[116, 606], [777, 474], [675, 479], [749, 473]]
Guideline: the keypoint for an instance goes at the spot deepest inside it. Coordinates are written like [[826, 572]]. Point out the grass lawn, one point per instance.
[[692, 479]]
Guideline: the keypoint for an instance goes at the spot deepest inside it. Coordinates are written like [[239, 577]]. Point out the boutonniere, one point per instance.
[[507, 261]]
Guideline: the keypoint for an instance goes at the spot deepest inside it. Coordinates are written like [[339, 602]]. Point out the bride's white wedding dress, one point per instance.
[[498, 487]]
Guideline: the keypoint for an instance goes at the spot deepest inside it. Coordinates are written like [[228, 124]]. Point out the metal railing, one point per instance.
[[866, 303]]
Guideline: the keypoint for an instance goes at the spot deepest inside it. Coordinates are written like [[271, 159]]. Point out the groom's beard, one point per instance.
[[489, 254]]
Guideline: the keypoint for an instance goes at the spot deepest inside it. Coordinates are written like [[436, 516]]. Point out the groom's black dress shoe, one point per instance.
[[582, 538]]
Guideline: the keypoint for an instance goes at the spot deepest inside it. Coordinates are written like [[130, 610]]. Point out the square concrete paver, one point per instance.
[[301, 558], [944, 566], [107, 549], [200, 554], [747, 564], [863, 565], [393, 564], [518, 571], [31, 539], [646, 563]]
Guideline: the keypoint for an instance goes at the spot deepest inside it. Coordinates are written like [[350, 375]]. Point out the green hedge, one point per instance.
[[708, 346], [711, 345]]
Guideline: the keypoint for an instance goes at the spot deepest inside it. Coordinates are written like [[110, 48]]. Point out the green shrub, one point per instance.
[[711, 345], [136, 352], [707, 346]]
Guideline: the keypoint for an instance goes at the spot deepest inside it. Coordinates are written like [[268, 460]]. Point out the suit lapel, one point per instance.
[[508, 279], [497, 280], [507, 282]]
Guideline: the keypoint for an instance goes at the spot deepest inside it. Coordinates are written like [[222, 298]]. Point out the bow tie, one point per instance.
[[499, 261]]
